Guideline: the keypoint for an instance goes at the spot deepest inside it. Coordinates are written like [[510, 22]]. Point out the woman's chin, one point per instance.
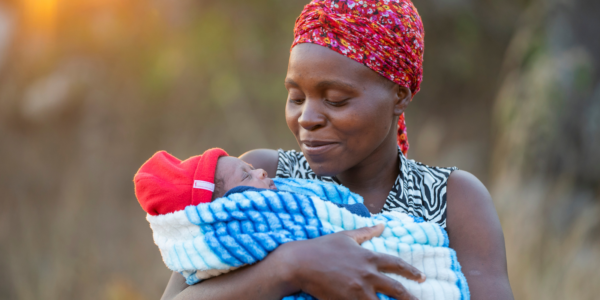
[[329, 162], [324, 168]]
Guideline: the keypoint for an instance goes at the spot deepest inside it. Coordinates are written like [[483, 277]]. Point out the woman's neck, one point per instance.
[[374, 177]]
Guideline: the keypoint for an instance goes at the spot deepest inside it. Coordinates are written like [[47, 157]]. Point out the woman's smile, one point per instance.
[[316, 147]]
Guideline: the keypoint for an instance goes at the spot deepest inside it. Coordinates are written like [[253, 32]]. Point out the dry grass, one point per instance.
[[81, 109]]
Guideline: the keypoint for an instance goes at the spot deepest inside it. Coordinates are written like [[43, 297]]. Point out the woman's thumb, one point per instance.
[[364, 234]]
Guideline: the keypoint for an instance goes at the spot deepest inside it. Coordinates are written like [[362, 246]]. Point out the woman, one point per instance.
[[353, 69]]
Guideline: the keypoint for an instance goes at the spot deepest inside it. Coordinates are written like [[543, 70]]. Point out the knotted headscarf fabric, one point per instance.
[[385, 35]]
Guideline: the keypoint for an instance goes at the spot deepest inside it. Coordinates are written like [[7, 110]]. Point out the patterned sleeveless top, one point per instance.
[[419, 190]]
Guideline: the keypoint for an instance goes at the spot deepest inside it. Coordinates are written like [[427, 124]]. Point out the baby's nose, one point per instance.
[[260, 173]]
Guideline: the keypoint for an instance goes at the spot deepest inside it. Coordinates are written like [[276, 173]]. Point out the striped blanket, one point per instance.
[[242, 228]]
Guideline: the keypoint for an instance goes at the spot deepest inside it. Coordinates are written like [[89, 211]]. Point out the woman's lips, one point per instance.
[[317, 147]]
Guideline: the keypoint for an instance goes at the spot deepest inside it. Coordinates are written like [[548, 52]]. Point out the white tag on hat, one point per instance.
[[204, 185]]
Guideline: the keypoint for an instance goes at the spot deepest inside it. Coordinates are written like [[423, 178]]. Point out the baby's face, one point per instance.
[[236, 172]]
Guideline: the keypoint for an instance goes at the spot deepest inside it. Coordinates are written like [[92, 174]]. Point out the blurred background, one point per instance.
[[89, 89]]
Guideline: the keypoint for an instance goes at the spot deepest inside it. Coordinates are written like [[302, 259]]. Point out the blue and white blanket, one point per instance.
[[242, 228]]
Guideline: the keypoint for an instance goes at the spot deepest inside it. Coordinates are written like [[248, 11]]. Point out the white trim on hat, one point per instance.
[[204, 185]]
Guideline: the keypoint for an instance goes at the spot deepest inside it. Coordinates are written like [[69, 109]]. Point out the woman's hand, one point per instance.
[[329, 267], [334, 267]]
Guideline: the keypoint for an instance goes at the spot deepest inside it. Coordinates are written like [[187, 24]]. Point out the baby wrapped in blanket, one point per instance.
[[213, 213]]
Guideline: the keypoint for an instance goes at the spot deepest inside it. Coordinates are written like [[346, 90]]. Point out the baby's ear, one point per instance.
[[219, 188]]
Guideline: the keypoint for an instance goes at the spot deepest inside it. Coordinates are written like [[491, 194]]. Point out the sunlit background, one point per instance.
[[89, 89]]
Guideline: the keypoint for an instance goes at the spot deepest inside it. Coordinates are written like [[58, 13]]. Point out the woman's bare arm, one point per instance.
[[475, 233]]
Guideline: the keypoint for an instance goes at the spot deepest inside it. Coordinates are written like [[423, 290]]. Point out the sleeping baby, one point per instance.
[[213, 213]]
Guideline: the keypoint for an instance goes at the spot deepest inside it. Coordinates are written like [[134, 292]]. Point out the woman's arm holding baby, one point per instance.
[[349, 272], [264, 280]]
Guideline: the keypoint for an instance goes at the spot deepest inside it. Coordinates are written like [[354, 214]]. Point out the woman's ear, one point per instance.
[[403, 98]]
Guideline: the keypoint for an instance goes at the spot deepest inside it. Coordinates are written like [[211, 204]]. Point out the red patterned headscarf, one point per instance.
[[384, 35]]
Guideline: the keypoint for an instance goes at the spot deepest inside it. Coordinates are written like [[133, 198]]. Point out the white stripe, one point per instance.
[[205, 185]]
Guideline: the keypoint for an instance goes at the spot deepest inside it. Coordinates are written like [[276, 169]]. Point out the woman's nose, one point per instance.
[[311, 118]]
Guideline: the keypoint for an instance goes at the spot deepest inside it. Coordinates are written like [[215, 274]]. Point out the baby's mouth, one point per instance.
[[272, 185]]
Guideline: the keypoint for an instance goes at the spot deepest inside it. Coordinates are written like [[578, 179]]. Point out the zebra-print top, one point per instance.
[[419, 190]]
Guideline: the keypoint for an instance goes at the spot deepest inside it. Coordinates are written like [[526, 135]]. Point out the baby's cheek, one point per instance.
[[253, 184], [262, 185]]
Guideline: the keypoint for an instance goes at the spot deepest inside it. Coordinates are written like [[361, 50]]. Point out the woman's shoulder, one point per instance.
[[265, 159], [465, 190]]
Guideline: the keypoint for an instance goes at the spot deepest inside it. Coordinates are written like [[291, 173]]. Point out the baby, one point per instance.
[[232, 172], [213, 213], [165, 184]]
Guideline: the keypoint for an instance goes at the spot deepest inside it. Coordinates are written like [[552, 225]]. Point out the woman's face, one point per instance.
[[340, 111]]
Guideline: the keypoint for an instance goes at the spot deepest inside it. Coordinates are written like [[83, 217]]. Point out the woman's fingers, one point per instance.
[[392, 288], [364, 234], [350, 272], [385, 263], [391, 264]]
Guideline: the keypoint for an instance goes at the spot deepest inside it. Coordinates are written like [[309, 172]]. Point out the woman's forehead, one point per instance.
[[315, 62]]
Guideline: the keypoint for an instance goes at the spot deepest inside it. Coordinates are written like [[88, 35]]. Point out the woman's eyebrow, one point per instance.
[[335, 84], [289, 81], [325, 84]]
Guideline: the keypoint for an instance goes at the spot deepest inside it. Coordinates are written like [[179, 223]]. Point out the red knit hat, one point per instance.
[[164, 184]]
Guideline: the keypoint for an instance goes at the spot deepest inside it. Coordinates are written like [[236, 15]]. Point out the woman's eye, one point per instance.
[[297, 101], [337, 103]]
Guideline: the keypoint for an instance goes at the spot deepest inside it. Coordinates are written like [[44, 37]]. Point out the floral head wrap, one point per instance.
[[384, 35]]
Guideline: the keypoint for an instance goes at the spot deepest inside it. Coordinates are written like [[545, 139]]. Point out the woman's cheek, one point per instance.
[[350, 121], [291, 117], [365, 126]]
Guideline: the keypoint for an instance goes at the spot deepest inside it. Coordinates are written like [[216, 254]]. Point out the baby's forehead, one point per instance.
[[230, 164]]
